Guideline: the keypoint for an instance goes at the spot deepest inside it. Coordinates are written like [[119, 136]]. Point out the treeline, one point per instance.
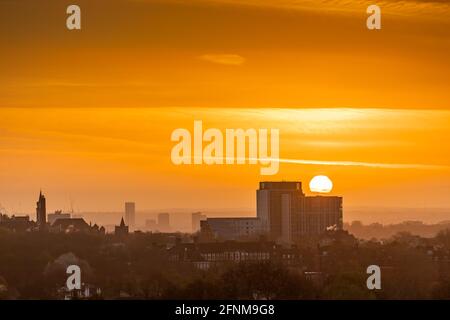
[[32, 266], [380, 231]]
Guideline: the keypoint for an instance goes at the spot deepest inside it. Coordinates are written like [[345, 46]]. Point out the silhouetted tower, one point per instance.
[[122, 229], [41, 213]]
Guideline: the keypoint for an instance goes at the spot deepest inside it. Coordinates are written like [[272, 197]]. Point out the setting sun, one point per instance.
[[321, 184]]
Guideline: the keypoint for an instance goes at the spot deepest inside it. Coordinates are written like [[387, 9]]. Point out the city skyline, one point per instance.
[[186, 220], [88, 157], [283, 214]]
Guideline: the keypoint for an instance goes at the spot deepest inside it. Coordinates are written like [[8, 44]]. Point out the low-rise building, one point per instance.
[[205, 255], [71, 225], [52, 217], [230, 228], [17, 223]]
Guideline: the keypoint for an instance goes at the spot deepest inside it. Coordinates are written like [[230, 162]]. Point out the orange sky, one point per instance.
[[145, 53], [87, 115], [100, 157]]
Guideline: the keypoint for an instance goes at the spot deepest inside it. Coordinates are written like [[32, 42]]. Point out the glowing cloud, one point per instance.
[[226, 59]]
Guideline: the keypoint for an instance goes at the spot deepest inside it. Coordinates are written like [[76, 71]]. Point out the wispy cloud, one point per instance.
[[431, 8], [226, 59], [361, 164], [344, 163]]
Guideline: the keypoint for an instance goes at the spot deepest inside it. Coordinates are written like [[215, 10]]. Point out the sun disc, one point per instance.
[[321, 184]]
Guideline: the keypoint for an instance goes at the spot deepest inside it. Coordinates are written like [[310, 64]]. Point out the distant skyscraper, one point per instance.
[[130, 210], [196, 218], [41, 211], [164, 222]]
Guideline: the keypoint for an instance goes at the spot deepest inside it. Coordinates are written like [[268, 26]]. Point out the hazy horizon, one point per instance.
[[181, 217], [87, 115]]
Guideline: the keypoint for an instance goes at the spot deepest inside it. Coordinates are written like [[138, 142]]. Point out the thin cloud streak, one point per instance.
[[226, 59], [430, 8], [343, 163], [361, 164]]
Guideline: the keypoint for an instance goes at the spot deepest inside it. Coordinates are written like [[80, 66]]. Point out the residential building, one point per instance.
[[52, 217], [231, 228]]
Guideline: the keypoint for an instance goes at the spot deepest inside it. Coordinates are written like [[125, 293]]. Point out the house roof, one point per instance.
[[77, 223]]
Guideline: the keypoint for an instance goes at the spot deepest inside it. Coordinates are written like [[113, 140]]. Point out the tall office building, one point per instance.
[[41, 211], [287, 214], [130, 212], [196, 218], [164, 222], [320, 213], [277, 203]]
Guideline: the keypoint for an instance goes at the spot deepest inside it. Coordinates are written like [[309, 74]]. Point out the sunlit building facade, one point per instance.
[[287, 214]]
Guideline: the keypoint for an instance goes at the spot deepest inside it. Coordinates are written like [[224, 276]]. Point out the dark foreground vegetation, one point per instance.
[[33, 266]]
